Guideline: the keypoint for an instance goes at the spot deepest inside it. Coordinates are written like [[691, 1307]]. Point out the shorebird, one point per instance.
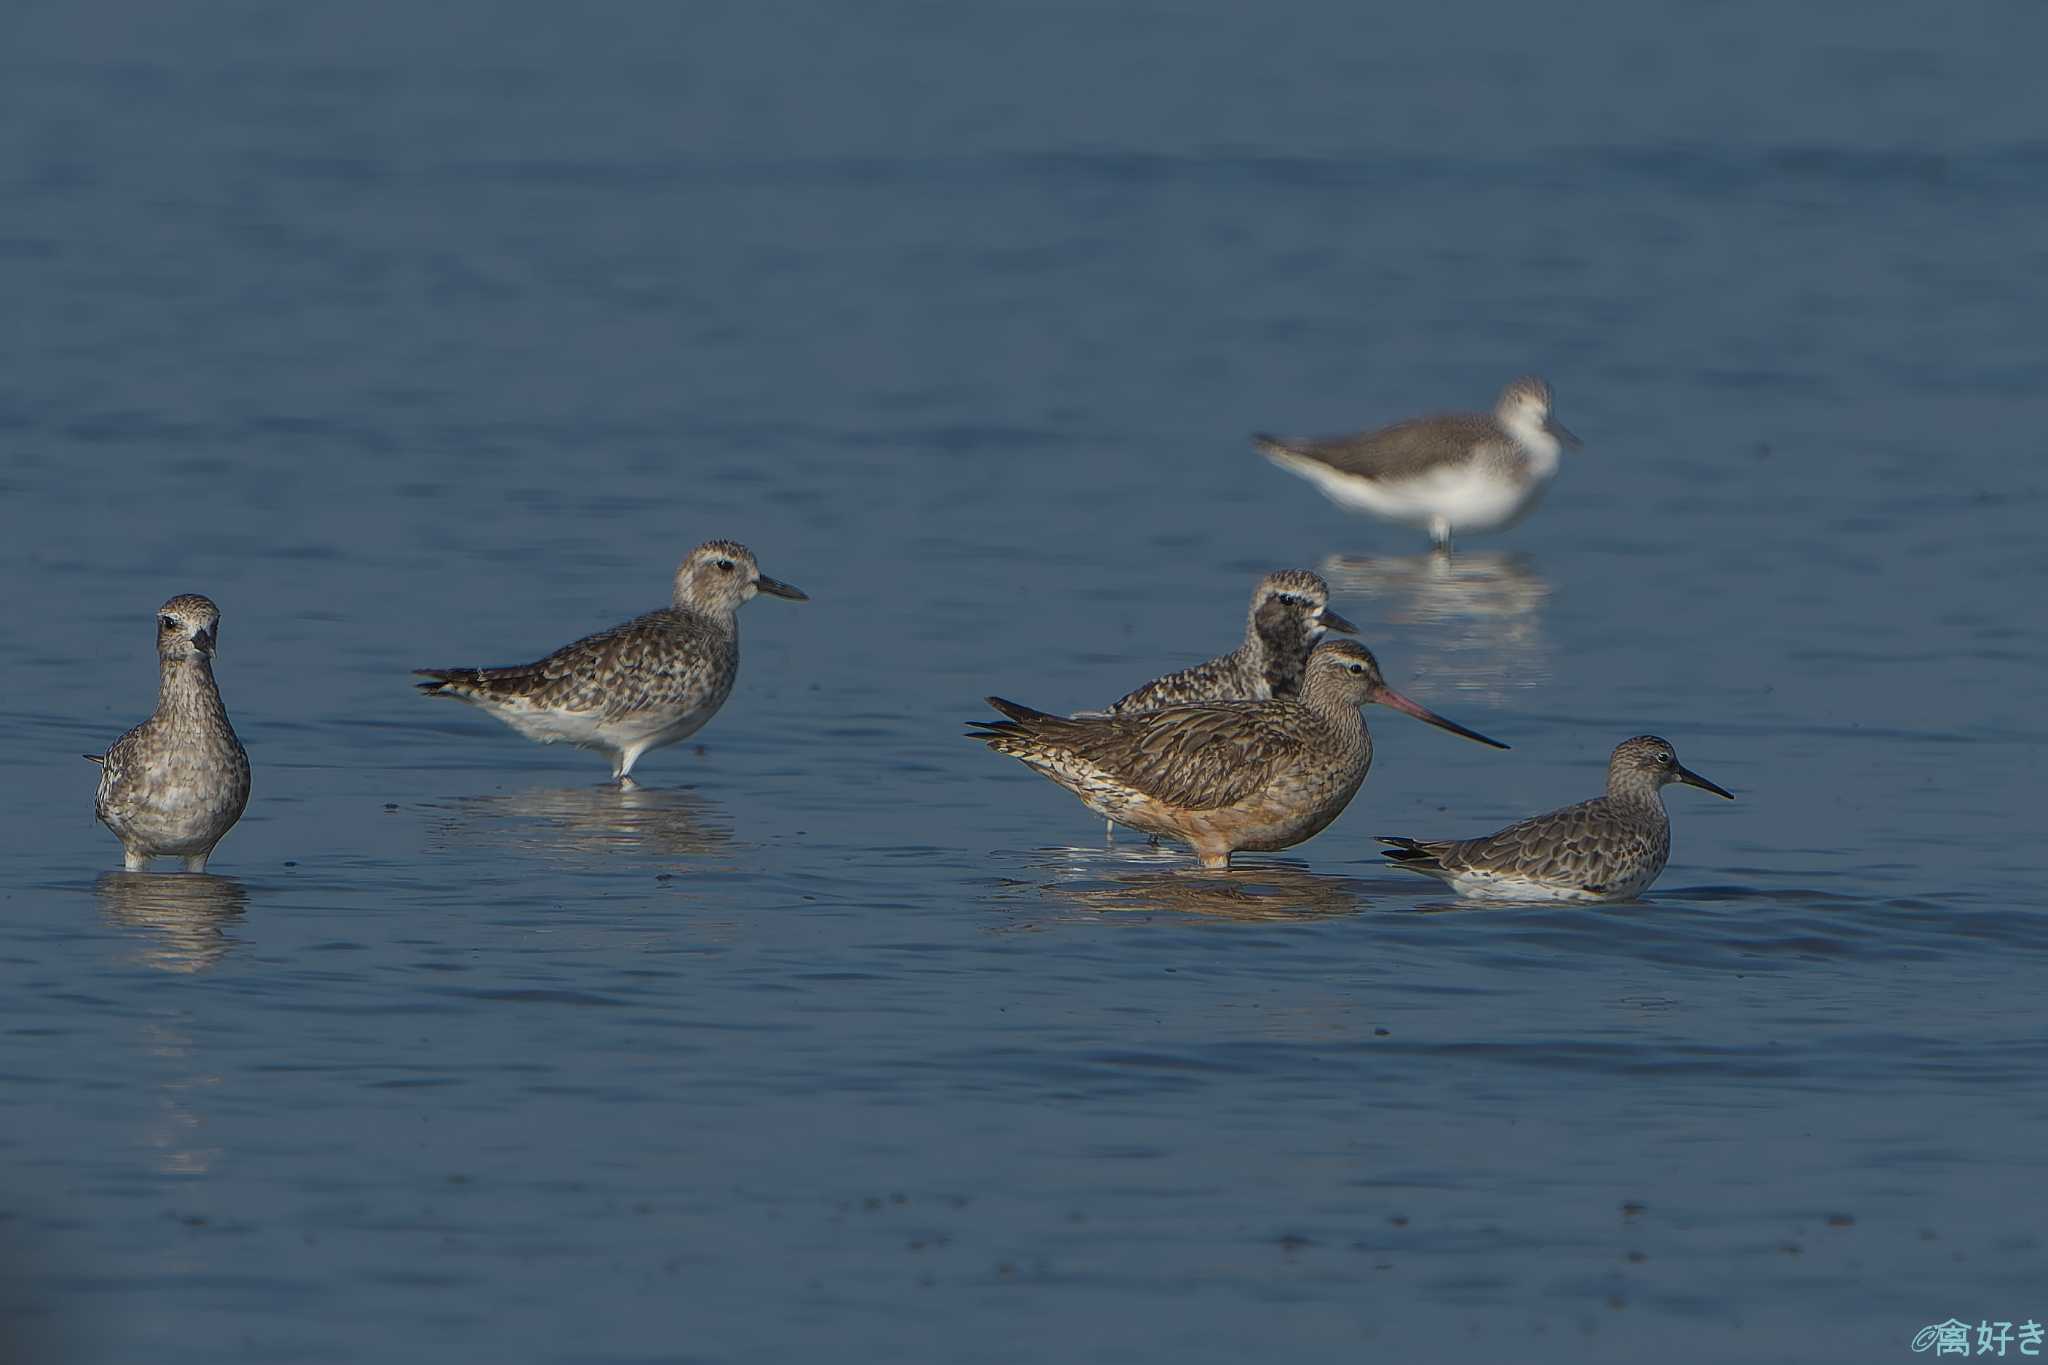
[[1608, 849], [1222, 776], [175, 784], [650, 682], [1289, 613], [1467, 471]]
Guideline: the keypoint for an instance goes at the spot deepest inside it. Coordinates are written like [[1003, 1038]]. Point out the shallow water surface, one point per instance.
[[438, 338]]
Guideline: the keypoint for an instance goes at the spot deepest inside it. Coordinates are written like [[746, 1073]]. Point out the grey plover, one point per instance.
[[1451, 473], [1224, 776], [1607, 849], [175, 785], [1290, 611], [653, 681]]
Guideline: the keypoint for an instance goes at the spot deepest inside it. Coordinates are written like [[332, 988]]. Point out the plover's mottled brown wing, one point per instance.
[[661, 659], [120, 790], [1579, 845], [1196, 757], [1403, 451], [1218, 679]]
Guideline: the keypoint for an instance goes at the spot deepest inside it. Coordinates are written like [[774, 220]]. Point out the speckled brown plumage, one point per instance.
[[669, 658], [1289, 614], [176, 784], [1609, 848], [650, 682], [1222, 776]]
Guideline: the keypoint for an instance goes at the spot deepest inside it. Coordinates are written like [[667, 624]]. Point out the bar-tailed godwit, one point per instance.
[[1224, 776]]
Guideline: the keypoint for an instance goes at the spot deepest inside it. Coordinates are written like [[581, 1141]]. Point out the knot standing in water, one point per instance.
[[1463, 471], [175, 784], [650, 682], [1608, 849], [1224, 776]]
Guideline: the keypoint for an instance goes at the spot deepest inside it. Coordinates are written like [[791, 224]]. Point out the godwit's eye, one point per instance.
[[1665, 759], [167, 622], [1358, 668], [725, 566]]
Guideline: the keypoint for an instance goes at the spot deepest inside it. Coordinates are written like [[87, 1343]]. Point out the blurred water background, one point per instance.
[[436, 335]]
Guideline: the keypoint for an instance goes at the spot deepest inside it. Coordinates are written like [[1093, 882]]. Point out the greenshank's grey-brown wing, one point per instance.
[[1403, 451], [1196, 757], [1578, 845], [663, 659]]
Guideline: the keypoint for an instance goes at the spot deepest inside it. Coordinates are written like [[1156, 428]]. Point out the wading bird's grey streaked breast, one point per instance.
[[176, 784]]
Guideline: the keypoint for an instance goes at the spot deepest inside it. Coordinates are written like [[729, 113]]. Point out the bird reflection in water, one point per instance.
[[589, 822], [1255, 891], [187, 915], [184, 920], [1484, 613]]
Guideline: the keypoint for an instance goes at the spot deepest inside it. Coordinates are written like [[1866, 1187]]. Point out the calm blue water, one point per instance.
[[436, 335]]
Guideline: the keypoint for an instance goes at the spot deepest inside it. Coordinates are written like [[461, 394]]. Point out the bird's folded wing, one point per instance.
[[1195, 757], [652, 661], [1403, 451], [1548, 845]]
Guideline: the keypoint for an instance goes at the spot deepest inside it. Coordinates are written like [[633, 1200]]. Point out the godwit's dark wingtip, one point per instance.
[[1413, 859], [1014, 710]]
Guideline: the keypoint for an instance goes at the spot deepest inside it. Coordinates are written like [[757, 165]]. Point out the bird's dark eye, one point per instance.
[[1290, 599], [725, 565], [167, 622], [1358, 668], [1665, 759]]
